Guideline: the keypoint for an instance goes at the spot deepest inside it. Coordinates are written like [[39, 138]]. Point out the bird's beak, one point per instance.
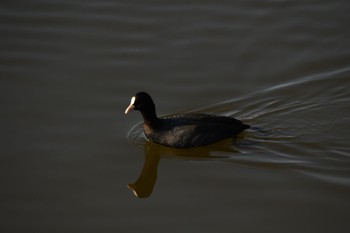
[[131, 106]]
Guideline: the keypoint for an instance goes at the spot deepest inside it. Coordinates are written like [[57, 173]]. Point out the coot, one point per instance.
[[183, 130]]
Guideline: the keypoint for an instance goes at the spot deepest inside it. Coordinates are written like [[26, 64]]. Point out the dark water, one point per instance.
[[68, 71]]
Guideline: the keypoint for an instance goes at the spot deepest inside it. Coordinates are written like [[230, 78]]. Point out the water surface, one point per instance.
[[69, 68]]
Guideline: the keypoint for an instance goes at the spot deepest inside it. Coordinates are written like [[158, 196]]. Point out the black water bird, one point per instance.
[[183, 130]]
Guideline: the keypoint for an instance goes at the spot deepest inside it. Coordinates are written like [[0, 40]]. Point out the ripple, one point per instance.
[[295, 125], [136, 136]]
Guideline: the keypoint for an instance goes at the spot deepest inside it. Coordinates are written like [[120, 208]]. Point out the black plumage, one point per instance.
[[183, 130]]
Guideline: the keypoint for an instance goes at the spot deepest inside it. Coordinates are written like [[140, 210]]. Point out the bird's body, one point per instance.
[[183, 130]]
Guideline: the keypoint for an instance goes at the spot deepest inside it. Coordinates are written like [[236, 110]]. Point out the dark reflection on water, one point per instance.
[[144, 185]]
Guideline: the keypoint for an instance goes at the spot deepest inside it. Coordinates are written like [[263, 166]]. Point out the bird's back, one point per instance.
[[190, 130]]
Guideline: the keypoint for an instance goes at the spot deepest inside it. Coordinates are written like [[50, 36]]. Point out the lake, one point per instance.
[[71, 161]]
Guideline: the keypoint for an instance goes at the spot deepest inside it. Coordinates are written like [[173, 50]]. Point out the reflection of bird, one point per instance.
[[183, 130], [144, 185]]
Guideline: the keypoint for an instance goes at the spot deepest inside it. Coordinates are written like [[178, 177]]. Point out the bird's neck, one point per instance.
[[150, 118]]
